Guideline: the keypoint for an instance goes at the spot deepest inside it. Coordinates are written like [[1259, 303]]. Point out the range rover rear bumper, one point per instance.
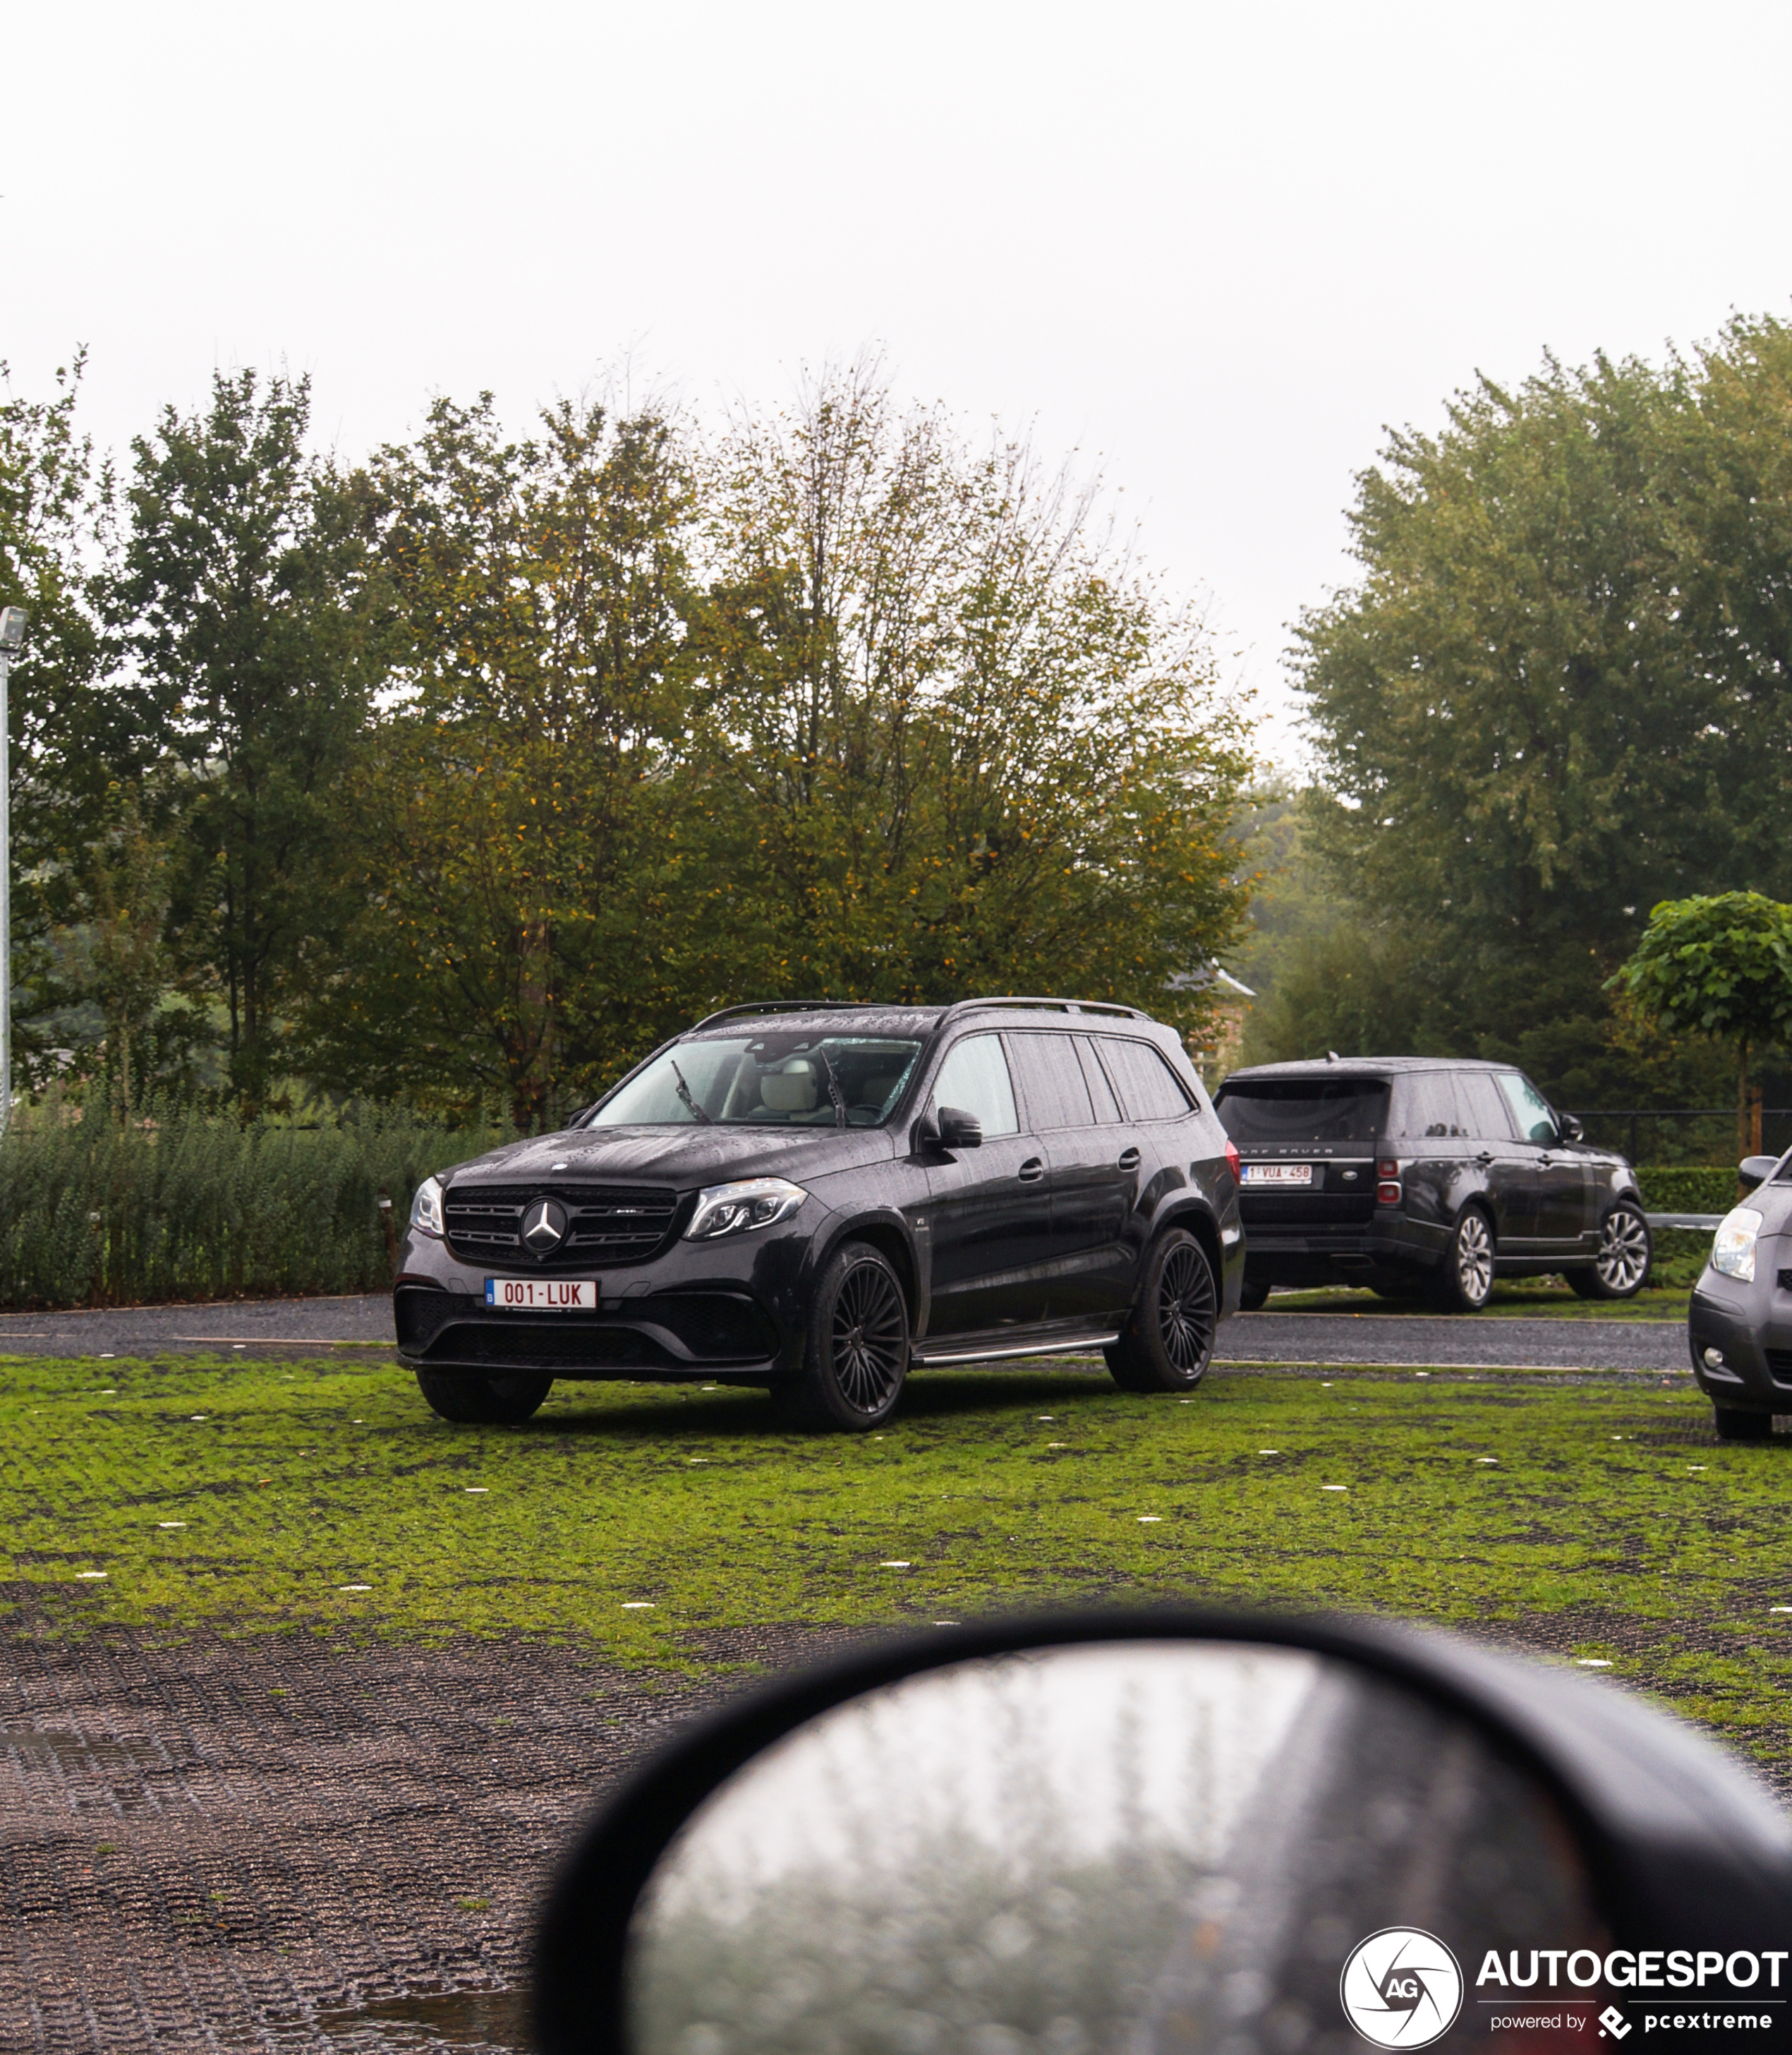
[[1339, 1254]]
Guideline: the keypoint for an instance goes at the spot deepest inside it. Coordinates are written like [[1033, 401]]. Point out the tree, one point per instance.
[[504, 826], [1558, 692], [1721, 966], [954, 742], [242, 601]]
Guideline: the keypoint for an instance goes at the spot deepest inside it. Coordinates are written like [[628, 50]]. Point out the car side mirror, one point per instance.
[[959, 1130], [1755, 1170], [1570, 1128], [1151, 1829]]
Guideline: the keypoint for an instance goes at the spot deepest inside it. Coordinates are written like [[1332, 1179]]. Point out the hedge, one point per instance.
[[192, 1206], [1698, 1189]]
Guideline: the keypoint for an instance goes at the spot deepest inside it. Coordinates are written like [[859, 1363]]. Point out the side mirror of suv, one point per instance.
[[1571, 1128], [959, 1130], [1755, 1170]]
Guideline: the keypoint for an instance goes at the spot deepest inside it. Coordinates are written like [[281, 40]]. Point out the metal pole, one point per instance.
[[13, 620]]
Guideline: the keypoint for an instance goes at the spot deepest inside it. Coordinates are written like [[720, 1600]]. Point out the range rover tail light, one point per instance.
[[1388, 1189]]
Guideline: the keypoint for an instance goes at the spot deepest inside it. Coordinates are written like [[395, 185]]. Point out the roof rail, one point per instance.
[[794, 1006], [1044, 1005]]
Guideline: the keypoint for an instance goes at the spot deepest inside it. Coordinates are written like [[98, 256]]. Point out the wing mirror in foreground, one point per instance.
[[1570, 1128], [1755, 1170], [1162, 1833]]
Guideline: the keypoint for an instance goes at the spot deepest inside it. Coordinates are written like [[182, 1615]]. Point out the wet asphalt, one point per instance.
[[363, 1324]]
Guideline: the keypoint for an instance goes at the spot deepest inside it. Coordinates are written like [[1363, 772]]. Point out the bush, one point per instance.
[[188, 1204], [1697, 1189]]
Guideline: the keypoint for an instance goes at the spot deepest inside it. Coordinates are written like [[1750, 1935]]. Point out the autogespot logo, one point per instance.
[[1401, 1988]]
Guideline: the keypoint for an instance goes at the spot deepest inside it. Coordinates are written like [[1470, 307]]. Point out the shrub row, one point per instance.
[[1695, 1190], [190, 1205]]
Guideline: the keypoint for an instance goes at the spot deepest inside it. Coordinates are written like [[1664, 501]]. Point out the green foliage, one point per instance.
[[239, 599], [1695, 1189], [183, 1205], [1555, 697]]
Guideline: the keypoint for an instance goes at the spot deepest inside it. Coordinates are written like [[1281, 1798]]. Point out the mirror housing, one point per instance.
[[1571, 1127], [959, 1130], [1755, 1170], [1680, 1848]]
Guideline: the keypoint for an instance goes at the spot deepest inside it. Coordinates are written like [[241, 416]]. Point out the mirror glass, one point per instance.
[[1131, 1847]]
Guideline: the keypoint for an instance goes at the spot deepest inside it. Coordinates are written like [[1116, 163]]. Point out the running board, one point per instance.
[[1083, 1344]]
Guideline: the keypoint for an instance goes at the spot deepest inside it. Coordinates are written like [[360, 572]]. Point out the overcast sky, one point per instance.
[[1215, 247]]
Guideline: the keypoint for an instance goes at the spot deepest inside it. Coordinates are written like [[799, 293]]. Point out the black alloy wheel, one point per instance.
[[472, 1398], [1465, 1279], [1621, 1268], [1734, 1424], [1168, 1342], [857, 1355]]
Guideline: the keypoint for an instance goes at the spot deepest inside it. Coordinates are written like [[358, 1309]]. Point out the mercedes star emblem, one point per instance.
[[543, 1225]]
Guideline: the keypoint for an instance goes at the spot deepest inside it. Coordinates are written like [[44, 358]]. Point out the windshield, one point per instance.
[[1303, 1113], [783, 1079]]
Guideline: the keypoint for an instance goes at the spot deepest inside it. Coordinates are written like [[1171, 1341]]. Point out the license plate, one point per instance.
[[1278, 1173], [542, 1295]]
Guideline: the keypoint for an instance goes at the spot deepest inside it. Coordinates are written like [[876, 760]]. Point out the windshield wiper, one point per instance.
[[833, 1088], [684, 1090]]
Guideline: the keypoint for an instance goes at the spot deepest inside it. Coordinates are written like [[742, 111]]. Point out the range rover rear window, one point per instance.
[[1304, 1113]]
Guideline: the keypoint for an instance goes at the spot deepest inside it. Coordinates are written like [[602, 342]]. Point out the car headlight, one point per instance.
[[1733, 1249], [737, 1208], [426, 1208]]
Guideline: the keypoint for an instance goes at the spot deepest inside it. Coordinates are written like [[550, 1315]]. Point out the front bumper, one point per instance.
[[1749, 1327], [731, 1309]]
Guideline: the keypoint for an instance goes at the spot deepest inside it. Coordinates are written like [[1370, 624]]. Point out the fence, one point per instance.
[[1684, 1134]]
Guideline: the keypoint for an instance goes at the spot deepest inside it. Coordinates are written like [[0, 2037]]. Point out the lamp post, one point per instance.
[[13, 620]]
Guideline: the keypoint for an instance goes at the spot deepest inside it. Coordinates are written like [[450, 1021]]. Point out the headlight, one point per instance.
[[738, 1209], [1733, 1250], [426, 1208]]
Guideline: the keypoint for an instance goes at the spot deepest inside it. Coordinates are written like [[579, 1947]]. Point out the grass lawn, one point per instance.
[[1530, 1298], [1598, 1517]]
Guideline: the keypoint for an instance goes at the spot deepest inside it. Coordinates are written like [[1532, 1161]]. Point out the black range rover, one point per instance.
[[814, 1198], [1414, 1175]]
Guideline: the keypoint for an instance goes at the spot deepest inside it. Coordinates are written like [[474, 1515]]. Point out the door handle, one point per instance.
[[1032, 1170], [1129, 1159]]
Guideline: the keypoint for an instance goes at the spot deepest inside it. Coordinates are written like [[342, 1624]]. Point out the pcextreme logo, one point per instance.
[[1401, 1988]]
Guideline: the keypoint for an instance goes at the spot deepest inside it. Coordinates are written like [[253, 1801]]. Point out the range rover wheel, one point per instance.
[[1253, 1298], [1168, 1341], [477, 1399], [1733, 1424], [1621, 1268], [1464, 1282], [857, 1353]]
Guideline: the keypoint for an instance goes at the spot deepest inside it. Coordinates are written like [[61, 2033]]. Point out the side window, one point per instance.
[[1151, 1090], [975, 1079], [1425, 1107], [1051, 1081], [1483, 1106], [1101, 1092], [1531, 1110]]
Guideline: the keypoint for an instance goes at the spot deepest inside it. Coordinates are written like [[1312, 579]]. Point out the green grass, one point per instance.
[[1588, 1530], [1530, 1298]]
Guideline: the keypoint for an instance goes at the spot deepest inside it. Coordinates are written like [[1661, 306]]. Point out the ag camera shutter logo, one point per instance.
[[1401, 1988]]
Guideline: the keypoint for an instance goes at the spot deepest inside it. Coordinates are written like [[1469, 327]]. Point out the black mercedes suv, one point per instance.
[[1417, 1176], [816, 1197]]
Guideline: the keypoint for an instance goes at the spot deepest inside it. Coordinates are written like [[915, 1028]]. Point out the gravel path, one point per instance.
[[365, 1322], [1519, 1342]]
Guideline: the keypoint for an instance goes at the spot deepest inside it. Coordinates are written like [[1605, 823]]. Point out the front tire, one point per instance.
[[1167, 1343], [855, 1356], [1621, 1268], [1464, 1283], [1253, 1298], [484, 1401], [1733, 1424]]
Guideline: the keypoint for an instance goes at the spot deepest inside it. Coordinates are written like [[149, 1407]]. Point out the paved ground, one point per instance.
[[1266, 1337]]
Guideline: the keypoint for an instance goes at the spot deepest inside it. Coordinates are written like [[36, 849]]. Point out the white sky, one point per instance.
[[1215, 247]]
